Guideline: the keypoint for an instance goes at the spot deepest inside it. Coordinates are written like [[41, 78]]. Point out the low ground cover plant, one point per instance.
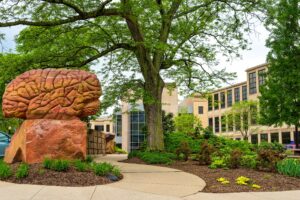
[[22, 171], [5, 170], [102, 169], [81, 166], [289, 167], [56, 164], [153, 157]]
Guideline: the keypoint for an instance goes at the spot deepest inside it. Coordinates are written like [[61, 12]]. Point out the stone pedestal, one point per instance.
[[40, 138]]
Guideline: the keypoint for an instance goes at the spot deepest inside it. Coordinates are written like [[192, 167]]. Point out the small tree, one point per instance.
[[244, 115], [187, 123], [280, 96]]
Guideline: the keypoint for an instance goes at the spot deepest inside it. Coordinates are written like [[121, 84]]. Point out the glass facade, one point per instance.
[[229, 98], [236, 94], [222, 99], [244, 93], [252, 83], [216, 101], [137, 133]]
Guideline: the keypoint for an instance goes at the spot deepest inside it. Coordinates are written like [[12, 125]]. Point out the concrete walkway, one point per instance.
[[141, 182]]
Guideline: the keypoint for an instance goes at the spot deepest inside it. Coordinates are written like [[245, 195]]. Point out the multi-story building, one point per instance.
[[212, 110], [129, 123]]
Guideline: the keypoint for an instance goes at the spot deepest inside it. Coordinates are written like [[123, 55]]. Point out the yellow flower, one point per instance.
[[225, 182], [255, 186], [242, 180], [221, 179]]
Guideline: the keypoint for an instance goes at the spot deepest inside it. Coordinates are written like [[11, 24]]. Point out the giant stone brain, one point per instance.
[[52, 94]]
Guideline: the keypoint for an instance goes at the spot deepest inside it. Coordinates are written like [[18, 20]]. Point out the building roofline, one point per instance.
[[256, 67], [230, 86]]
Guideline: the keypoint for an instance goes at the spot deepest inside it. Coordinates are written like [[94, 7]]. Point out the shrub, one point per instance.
[[289, 167], [119, 150], [157, 157], [134, 154], [173, 141], [47, 162], [56, 164], [89, 159], [276, 147], [218, 163], [5, 170], [116, 171], [206, 150], [249, 161], [268, 158], [234, 159], [183, 149], [22, 171], [102, 169], [80, 166]]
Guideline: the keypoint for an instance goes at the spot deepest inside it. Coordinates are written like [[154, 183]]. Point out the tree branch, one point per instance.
[[68, 4]]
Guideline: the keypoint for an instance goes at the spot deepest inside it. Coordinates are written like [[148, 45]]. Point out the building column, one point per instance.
[[258, 138], [280, 136], [269, 136], [292, 135]]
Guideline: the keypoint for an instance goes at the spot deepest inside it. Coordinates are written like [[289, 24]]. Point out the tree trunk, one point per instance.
[[296, 136], [153, 113]]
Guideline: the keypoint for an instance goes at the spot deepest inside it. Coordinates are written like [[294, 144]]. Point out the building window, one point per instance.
[[200, 109], [210, 122], [254, 139], [210, 103], [286, 137], [244, 93], [253, 115], [261, 76], [137, 133], [230, 123], [107, 128], [99, 127], [274, 137], [223, 123], [236, 94], [118, 125], [296, 138], [237, 122], [217, 124], [216, 101], [222, 99], [252, 83], [229, 98], [264, 137]]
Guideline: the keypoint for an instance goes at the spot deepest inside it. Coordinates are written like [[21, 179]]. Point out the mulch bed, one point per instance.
[[40, 176], [268, 181]]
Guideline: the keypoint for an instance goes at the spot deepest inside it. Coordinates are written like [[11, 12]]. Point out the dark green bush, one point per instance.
[[235, 158], [22, 171], [5, 170], [116, 171], [89, 159], [249, 161], [289, 167], [157, 157], [183, 149], [173, 141], [206, 150], [80, 166], [47, 162], [279, 148], [267, 159], [103, 169]]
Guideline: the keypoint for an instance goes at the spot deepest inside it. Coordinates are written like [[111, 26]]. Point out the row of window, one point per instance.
[[252, 80], [232, 123], [101, 128], [137, 133], [214, 103], [285, 137]]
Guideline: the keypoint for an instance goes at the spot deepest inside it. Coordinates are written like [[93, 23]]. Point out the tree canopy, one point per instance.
[[280, 96], [140, 44]]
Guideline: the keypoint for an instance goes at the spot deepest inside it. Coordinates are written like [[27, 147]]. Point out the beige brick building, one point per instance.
[[212, 110]]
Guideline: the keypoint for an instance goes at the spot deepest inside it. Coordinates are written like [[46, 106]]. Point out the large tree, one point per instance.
[[141, 42], [280, 96]]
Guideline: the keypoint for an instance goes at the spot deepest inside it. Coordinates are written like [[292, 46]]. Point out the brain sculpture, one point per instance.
[[52, 94]]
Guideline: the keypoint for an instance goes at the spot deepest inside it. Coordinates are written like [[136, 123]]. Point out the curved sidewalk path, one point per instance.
[[141, 182]]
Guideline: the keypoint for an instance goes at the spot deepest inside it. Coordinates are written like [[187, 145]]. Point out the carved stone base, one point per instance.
[[40, 138]]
